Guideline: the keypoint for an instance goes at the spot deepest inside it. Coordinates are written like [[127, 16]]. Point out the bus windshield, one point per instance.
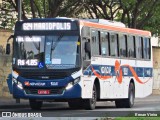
[[55, 52]]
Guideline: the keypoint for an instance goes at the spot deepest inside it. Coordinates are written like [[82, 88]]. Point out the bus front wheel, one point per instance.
[[35, 105], [90, 104], [75, 104]]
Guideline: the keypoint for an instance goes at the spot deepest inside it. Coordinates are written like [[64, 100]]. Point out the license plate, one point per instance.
[[43, 92]]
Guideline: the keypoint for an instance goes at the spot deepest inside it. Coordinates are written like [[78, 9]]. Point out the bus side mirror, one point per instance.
[[87, 47], [8, 49]]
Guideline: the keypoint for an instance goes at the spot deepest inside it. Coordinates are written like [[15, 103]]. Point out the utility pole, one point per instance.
[[44, 5], [19, 10], [0, 3]]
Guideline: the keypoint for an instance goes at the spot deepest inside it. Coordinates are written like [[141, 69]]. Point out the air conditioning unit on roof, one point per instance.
[[106, 22]]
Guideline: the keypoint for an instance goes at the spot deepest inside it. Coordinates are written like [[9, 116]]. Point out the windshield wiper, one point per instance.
[[53, 46]]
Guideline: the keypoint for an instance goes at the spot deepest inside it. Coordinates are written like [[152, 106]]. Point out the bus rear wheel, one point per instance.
[[120, 103], [35, 105], [90, 104], [129, 102], [131, 96]]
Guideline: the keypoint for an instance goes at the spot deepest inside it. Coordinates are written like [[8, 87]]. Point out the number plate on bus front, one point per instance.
[[43, 92]]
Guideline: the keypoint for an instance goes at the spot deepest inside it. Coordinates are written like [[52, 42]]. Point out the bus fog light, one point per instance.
[[69, 86]]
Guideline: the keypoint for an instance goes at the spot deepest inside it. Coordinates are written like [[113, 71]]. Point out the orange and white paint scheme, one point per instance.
[[115, 73]]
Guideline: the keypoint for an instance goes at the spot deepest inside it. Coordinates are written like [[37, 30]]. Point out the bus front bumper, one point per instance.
[[51, 89], [72, 93]]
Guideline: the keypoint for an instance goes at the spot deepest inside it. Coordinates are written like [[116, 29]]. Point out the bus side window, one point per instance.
[[104, 43], [122, 45], [113, 44], [95, 43], [134, 45], [146, 48], [138, 47], [149, 48], [131, 48]]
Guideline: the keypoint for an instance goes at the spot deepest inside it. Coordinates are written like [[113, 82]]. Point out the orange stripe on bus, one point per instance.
[[100, 76], [119, 73], [114, 28]]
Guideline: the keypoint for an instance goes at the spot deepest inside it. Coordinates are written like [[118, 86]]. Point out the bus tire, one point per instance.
[[129, 102], [120, 103], [75, 104], [35, 105], [90, 104]]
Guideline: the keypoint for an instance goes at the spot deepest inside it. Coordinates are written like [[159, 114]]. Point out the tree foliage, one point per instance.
[[7, 17], [141, 14]]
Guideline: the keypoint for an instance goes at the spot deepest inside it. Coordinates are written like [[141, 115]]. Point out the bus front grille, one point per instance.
[[53, 91], [42, 76]]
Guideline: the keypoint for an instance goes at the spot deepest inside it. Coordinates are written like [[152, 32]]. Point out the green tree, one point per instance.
[[7, 18], [137, 13], [38, 9], [106, 9], [140, 14]]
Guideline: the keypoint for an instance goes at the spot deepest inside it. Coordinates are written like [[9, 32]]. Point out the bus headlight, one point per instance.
[[19, 84], [71, 84]]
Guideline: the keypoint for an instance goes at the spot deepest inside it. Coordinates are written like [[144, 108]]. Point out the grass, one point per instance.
[[137, 118], [131, 118]]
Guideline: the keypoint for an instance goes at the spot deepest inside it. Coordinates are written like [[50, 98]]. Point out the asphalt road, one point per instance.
[[149, 106]]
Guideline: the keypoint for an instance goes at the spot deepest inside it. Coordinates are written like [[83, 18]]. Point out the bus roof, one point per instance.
[[96, 23], [111, 27]]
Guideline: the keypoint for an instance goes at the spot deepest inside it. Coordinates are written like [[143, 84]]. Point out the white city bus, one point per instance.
[[107, 61]]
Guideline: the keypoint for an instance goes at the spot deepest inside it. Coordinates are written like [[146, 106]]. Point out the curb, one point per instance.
[[13, 106], [11, 103]]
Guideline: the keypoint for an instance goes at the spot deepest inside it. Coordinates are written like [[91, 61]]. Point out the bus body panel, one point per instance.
[[58, 87], [76, 93], [111, 88], [113, 73], [87, 86]]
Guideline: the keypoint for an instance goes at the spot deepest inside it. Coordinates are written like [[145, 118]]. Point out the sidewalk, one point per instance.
[[10, 102]]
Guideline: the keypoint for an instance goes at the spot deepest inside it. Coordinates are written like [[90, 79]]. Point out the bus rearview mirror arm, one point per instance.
[[8, 47]]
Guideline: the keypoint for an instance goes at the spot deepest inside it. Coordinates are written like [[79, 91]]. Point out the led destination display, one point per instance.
[[47, 26]]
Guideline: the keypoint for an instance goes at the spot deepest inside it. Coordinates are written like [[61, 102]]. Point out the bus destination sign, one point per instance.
[[47, 26]]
